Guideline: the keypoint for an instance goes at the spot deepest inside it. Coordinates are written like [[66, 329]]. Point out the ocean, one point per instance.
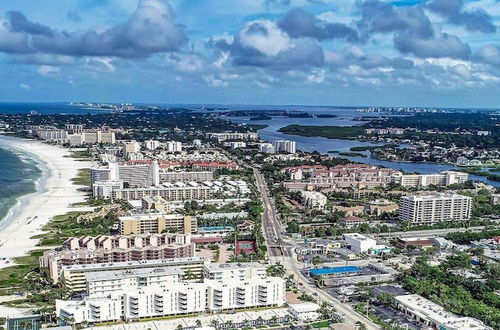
[[19, 175]]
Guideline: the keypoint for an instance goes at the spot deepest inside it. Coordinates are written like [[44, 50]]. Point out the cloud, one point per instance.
[[19, 23], [25, 86], [262, 43], [489, 54], [443, 45], [149, 30], [48, 70], [297, 23], [474, 20], [413, 32]]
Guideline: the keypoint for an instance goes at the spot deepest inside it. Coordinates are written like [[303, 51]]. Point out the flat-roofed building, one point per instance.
[[167, 192], [186, 176], [435, 316], [432, 208], [109, 249], [226, 271], [155, 203], [444, 178], [155, 292], [73, 277], [157, 223], [359, 243], [314, 200]]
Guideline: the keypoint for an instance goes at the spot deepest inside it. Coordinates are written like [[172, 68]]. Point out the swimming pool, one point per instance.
[[335, 270]]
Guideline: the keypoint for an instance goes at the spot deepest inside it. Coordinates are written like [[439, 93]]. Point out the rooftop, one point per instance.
[[131, 273]]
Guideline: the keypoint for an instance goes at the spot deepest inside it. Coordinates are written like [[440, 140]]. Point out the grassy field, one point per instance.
[[82, 178], [330, 132], [13, 277], [80, 154]]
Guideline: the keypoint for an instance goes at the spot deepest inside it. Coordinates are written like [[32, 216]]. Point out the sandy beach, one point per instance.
[[54, 196]]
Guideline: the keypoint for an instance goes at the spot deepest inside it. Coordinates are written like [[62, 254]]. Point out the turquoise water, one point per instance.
[[18, 176], [335, 270]]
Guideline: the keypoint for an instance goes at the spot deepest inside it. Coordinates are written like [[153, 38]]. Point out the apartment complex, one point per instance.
[[109, 249], [232, 136], [428, 209], [186, 176], [168, 192], [157, 223], [157, 292], [267, 148], [349, 175], [287, 146], [444, 178], [74, 276], [314, 200]]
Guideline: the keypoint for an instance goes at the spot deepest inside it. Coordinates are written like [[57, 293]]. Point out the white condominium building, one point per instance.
[[152, 144], [232, 136], [173, 146], [140, 175], [285, 146], [314, 199], [155, 292], [186, 176], [428, 209], [227, 271], [267, 148], [445, 178]]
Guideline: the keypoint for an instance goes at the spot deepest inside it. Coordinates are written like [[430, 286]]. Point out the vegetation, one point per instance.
[[330, 132], [467, 237], [82, 178], [65, 226], [459, 295]]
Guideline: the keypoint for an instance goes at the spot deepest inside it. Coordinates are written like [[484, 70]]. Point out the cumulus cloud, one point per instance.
[[150, 29], [453, 11], [298, 23], [48, 70], [262, 43]]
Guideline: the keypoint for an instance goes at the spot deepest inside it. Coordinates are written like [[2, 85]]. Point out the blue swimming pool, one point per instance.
[[335, 270]]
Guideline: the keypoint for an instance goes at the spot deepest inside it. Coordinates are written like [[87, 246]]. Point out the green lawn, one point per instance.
[[82, 178]]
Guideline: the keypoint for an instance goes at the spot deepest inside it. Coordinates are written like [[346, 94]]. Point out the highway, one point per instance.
[[281, 251]]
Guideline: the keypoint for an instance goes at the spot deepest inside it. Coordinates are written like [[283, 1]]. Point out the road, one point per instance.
[[281, 251]]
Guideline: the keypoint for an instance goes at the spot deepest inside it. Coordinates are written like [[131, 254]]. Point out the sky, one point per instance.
[[443, 53]]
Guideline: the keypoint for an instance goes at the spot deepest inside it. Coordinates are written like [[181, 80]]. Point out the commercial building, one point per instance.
[[285, 146], [157, 223], [445, 178], [351, 221], [435, 316], [73, 277], [109, 249], [130, 147], [157, 292], [358, 243], [307, 311], [428, 209], [314, 200]]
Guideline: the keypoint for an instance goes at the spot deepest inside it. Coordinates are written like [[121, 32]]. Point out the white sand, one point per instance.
[[54, 196]]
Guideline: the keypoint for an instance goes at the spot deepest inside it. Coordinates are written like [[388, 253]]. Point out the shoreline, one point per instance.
[[54, 195]]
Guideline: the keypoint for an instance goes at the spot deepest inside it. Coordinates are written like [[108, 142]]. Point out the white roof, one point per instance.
[[305, 307]]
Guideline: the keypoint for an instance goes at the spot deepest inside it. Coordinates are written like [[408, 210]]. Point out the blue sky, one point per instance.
[[315, 52]]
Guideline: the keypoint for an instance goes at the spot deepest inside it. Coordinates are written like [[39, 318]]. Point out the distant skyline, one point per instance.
[[443, 53]]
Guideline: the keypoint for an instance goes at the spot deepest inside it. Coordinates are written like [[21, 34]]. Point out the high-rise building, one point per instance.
[[152, 144], [173, 146], [285, 146], [428, 209], [157, 223]]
